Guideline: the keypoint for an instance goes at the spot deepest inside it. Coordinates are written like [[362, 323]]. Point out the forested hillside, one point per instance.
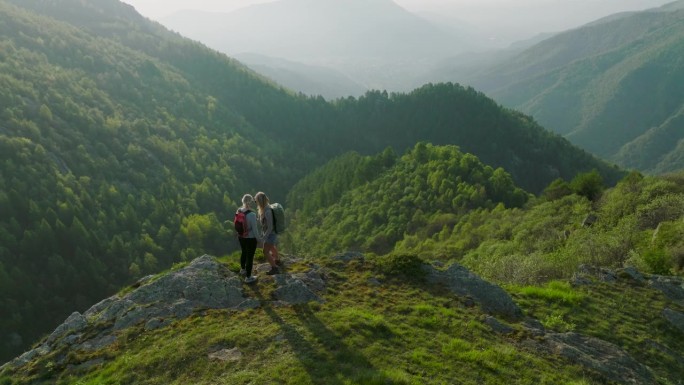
[[438, 203], [416, 315], [113, 165], [612, 87], [124, 148], [381, 202], [452, 114]]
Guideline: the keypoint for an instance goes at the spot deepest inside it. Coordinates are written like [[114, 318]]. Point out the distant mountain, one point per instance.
[[317, 30], [611, 87], [474, 66], [659, 150], [308, 79], [375, 42]]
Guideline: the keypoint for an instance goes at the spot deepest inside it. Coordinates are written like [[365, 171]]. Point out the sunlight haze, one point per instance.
[[368, 44], [558, 15], [506, 21]]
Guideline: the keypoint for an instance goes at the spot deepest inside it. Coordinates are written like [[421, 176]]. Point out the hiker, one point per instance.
[[269, 235], [248, 238]]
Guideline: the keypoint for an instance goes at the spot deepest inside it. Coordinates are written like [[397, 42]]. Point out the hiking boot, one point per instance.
[[243, 272], [273, 271], [251, 279]]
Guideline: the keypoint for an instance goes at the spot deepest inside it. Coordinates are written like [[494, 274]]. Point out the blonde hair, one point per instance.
[[246, 200], [262, 201]]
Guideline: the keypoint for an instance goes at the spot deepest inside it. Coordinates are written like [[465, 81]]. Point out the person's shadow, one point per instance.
[[351, 363], [316, 360]]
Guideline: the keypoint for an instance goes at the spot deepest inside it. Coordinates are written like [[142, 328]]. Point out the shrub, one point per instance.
[[557, 322], [557, 190], [678, 257], [589, 185], [663, 208], [402, 265], [658, 261]]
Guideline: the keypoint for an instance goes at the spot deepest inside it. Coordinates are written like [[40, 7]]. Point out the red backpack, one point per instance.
[[240, 223]]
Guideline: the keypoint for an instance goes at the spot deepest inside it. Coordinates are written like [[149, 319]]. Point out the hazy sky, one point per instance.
[[515, 16], [161, 8]]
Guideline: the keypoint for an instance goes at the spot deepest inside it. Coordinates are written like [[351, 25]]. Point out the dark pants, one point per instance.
[[248, 246]]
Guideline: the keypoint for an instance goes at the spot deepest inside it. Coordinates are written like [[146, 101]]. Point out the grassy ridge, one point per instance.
[[392, 332]]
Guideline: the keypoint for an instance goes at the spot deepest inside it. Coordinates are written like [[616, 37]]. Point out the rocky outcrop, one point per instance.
[[606, 358], [600, 356], [586, 275], [300, 288], [349, 256], [226, 355], [73, 324], [675, 318], [497, 326], [462, 282], [203, 284], [670, 354], [671, 287], [157, 301]]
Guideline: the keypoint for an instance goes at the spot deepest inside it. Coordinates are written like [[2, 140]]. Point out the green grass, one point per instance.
[[629, 316], [395, 333], [554, 292]]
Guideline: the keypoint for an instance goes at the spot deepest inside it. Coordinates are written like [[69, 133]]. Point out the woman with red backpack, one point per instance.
[[248, 235]]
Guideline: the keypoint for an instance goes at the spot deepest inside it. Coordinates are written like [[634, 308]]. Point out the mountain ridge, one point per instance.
[[331, 34], [595, 95], [320, 22], [85, 345], [307, 79]]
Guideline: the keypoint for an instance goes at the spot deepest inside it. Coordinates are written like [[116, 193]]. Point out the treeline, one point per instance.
[[325, 185], [448, 113]]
